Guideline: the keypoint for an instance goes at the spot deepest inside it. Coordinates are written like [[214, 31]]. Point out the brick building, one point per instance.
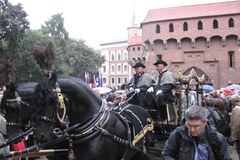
[[205, 37]]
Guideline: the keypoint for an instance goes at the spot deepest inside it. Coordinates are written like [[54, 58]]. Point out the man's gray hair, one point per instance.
[[196, 112], [235, 98]]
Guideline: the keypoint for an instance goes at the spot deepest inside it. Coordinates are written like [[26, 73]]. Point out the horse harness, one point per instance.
[[95, 125], [15, 103]]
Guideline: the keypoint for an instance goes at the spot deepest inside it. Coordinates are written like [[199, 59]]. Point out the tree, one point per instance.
[[83, 58], [54, 27], [13, 24], [26, 65], [74, 57]]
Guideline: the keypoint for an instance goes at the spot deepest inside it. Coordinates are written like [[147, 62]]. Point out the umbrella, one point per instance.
[[233, 87], [208, 88], [103, 90]]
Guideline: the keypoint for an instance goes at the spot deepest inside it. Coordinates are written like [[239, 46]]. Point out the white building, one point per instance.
[[116, 70]]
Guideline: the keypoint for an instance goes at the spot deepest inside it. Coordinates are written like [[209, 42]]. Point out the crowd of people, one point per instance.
[[206, 130]]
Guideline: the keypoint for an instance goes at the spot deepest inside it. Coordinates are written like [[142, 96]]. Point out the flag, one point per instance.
[[94, 82], [99, 81], [86, 78]]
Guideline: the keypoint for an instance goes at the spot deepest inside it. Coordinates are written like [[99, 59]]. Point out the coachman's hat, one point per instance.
[[139, 65], [160, 62]]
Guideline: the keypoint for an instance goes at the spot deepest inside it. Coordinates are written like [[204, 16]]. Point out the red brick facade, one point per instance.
[[214, 52]]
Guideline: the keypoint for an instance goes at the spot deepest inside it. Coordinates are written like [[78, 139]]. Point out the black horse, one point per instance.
[[18, 107], [97, 132]]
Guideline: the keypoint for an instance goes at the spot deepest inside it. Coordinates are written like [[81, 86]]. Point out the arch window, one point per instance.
[[158, 28], [230, 22], [215, 24], [104, 80], [200, 25], [171, 27], [113, 81], [185, 26]]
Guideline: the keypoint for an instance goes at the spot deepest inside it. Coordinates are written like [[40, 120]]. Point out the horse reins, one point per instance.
[[19, 101]]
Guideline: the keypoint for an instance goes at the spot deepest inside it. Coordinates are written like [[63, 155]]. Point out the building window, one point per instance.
[[185, 26], [104, 69], [171, 27], [125, 55], [133, 48], [113, 81], [158, 28], [230, 22], [104, 80], [138, 48], [200, 25], [113, 69], [119, 80], [119, 56], [215, 24], [231, 59], [125, 80], [125, 68], [119, 68], [113, 57]]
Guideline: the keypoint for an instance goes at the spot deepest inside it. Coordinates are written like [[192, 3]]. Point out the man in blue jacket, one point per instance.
[[196, 140]]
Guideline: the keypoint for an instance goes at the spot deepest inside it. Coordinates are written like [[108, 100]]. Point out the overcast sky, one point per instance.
[[96, 21]]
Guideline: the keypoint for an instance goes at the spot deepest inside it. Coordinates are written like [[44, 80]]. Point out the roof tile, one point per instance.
[[193, 11]]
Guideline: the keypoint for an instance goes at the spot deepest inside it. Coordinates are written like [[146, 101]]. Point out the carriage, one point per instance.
[[187, 92], [62, 98]]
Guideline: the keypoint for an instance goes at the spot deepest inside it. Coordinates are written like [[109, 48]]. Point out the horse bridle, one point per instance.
[[61, 105], [16, 104]]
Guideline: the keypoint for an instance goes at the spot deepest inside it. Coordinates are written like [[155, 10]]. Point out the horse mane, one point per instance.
[[78, 85], [38, 95]]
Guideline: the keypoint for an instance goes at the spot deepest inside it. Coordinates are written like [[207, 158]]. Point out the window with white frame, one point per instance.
[[125, 55], [125, 68], [112, 56], [125, 80], [112, 68], [104, 69], [119, 56], [119, 80], [104, 80], [113, 81], [119, 68]]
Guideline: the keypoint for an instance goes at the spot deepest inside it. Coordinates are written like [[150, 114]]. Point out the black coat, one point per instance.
[[181, 146]]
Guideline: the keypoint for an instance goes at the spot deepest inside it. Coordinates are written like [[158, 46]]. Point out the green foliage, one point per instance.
[[54, 27], [82, 58], [13, 24], [73, 57], [26, 64]]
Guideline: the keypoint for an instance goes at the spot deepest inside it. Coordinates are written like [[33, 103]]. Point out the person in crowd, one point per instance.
[[2, 90], [165, 83], [3, 133], [214, 94], [213, 116], [114, 101], [196, 139], [226, 94], [117, 102], [222, 125], [235, 122], [140, 82]]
